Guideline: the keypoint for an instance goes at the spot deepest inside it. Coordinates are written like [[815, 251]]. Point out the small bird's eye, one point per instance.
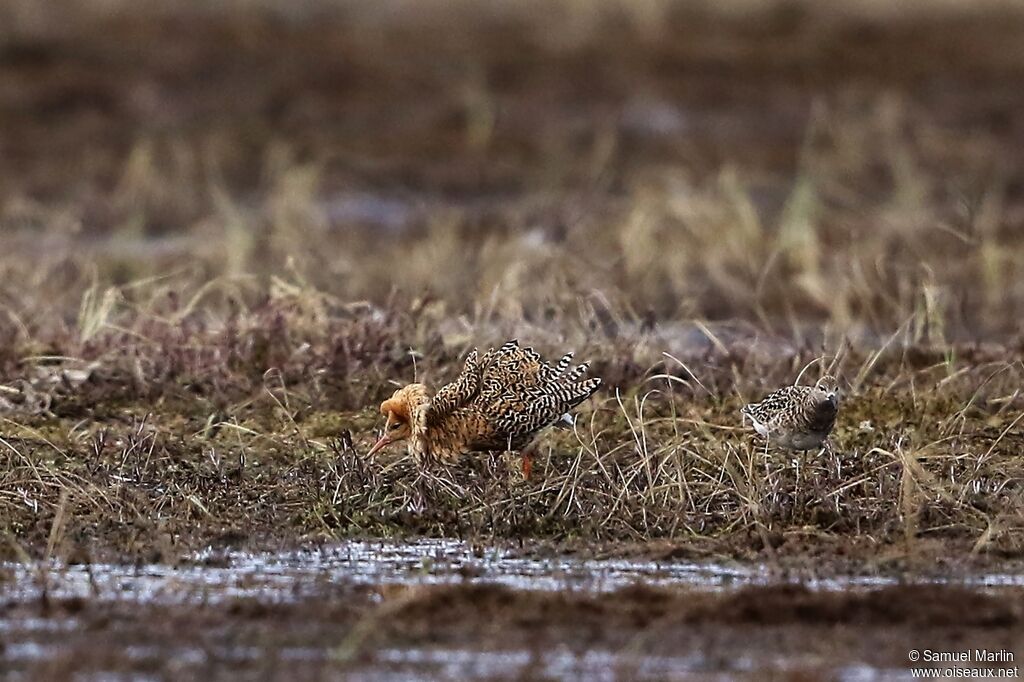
[[394, 426]]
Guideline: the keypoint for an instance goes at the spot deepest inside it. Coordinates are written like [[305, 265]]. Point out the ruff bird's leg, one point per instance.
[[528, 454], [527, 464], [418, 502]]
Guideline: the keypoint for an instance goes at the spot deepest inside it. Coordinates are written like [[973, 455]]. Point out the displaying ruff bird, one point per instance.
[[499, 402], [797, 417]]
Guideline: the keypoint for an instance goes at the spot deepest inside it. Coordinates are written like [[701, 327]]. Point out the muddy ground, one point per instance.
[[324, 628], [762, 633]]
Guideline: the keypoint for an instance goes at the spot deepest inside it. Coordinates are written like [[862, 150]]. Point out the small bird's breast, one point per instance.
[[801, 440]]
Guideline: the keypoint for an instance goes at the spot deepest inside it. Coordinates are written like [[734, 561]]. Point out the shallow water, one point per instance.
[[219, 578], [287, 576], [416, 664]]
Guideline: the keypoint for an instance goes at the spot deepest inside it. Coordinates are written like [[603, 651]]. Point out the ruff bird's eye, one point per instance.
[[394, 426]]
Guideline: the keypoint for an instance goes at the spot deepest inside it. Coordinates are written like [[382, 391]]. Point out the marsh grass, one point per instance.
[[251, 429], [199, 316]]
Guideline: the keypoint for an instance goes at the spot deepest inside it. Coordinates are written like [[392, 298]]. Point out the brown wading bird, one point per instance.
[[797, 417], [499, 403]]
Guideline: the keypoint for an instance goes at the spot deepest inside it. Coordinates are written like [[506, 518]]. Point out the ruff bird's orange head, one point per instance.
[[404, 411]]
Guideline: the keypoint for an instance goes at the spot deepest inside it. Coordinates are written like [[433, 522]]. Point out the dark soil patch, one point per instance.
[[344, 631]]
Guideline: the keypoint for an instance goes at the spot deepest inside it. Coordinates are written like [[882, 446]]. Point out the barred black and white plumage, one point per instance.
[[797, 417], [500, 401]]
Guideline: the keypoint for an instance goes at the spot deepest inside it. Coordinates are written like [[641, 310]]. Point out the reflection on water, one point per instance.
[[590, 666], [213, 577], [292, 575]]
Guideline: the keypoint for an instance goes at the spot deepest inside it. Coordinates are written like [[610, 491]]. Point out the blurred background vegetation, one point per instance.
[[814, 171]]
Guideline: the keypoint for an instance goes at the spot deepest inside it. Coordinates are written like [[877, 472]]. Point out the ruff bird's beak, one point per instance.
[[384, 441]]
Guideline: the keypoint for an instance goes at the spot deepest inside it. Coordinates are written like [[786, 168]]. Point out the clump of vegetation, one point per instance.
[[177, 431]]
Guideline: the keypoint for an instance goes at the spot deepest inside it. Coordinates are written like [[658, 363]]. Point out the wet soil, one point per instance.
[[351, 625]]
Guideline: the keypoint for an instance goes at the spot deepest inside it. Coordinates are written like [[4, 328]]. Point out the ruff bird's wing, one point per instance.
[[520, 411], [520, 393], [459, 392], [513, 365]]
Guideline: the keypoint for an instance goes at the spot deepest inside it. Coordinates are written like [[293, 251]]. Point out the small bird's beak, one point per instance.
[[384, 440]]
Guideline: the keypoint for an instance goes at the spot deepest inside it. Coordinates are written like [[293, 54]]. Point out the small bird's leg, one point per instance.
[[800, 479]]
